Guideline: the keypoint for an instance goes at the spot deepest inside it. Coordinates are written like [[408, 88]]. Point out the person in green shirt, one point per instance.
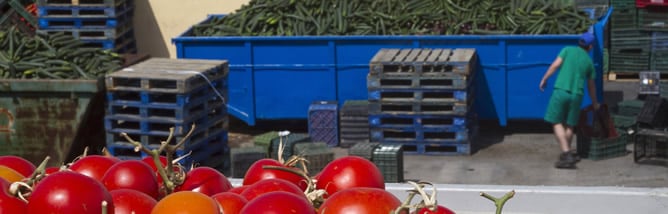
[[576, 70]]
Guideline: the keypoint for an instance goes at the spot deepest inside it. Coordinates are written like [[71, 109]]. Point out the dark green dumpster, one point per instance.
[[55, 118]]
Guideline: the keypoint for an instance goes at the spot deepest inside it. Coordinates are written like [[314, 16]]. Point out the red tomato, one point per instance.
[[51, 170], [8, 203], [360, 200], [129, 201], [439, 210], [279, 202], [231, 203], [149, 160], [186, 202], [256, 173], [94, 166], [131, 174], [10, 175], [69, 192], [239, 189], [347, 172], [23, 166], [205, 180], [271, 185]]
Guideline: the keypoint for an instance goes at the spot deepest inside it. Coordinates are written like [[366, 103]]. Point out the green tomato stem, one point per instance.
[[499, 202]]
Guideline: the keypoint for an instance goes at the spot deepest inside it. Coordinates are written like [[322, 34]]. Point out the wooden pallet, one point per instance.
[[627, 76]]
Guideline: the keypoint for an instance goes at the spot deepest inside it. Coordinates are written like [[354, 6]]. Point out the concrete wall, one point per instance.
[[158, 21]]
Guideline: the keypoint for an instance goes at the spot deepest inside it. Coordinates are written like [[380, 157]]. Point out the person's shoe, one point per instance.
[[566, 161], [575, 156]]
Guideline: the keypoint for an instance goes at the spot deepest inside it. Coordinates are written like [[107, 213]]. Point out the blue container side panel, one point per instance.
[[278, 77], [526, 67], [353, 65], [285, 85], [240, 78]]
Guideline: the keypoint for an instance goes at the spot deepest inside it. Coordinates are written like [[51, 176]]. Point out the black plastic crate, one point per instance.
[[650, 144], [355, 108], [288, 144], [630, 107], [318, 155], [654, 112], [390, 160], [364, 149], [264, 140], [243, 157]]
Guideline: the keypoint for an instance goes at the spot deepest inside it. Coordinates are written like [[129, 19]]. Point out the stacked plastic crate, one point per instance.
[[152, 98], [422, 99], [354, 123], [103, 24], [323, 122]]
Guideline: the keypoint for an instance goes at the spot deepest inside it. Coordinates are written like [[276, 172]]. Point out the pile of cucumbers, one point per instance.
[[54, 56], [398, 17]]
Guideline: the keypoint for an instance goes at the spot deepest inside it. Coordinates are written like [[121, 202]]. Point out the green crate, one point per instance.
[[363, 149], [288, 144], [659, 62], [601, 149], [390, 160], [652, 19], [630, 107], [318, 155], [623, 3], [243, 157], [650, 144], [623, 121], [264, 140], [624, 17], [55, 118]]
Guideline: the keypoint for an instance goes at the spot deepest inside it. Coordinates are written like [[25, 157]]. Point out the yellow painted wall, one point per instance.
[[158, 21]]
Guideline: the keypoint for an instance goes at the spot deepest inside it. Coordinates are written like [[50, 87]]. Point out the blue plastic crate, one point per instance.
[[434, 148], [194, 109], [53, 23], [170, 76], [419, 108], [200, 152], [419, 82], [410, 122], [121, 41], [323, 122], [165, 99], [419, 135], [660, 41], [419, 95], [67, 11], [201, 132], [86, 3], [159, 126], [422, 62], [94, 34]]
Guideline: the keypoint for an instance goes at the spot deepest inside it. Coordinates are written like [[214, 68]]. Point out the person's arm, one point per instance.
[[550, 71]]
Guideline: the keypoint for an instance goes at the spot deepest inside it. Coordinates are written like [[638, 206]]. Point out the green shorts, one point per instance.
[[564, 107]]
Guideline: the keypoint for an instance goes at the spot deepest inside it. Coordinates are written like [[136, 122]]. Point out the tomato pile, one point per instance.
[[103, 184]]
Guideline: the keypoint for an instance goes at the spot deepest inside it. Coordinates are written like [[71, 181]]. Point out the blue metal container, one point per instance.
[[278, 77]]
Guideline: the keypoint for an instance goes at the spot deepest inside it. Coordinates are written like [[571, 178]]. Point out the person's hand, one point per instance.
[[542, 85], [596, 106]]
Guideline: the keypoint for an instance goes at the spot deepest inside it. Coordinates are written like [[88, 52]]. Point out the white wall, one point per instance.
[[158, 21]]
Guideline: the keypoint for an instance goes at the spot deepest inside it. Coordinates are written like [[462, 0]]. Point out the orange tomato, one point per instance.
[[187, 202], [10, 175]]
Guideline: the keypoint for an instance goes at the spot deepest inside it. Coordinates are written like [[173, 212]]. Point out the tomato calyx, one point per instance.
[[428, 201], [22, 189], [499, 202], [315, 196], [171, 178]]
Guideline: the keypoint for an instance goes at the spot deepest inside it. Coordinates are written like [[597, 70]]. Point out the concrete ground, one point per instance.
[[522, 153]]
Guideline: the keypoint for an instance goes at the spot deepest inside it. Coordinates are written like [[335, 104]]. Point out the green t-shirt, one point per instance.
[[576, 68]]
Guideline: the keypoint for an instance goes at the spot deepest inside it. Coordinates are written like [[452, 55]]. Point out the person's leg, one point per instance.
[[569, 136], [561, 133]]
